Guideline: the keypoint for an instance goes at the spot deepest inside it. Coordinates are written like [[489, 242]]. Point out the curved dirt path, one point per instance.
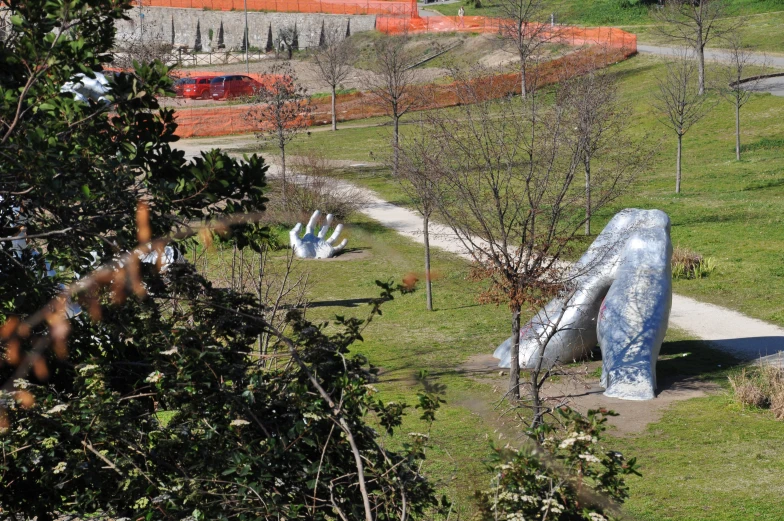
[[733, 332]]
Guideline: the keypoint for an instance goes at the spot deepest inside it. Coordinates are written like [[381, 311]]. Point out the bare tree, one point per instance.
[[598, 122], [391, 83], [418, 176], [288, 38], [522, 25], [135, 47], [333, 61], [694, 24], [680, 102], [279, 110], [506, 189], [740, 60]]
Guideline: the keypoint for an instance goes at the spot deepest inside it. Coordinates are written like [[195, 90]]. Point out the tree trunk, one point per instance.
[[737, 131], [678, 165], [283, 172], [587, 196], [514, 365], [523, 88], [334, 116], [701, 66], [428, 282], [396, 142]]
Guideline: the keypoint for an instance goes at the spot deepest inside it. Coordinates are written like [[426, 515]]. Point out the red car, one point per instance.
[[197, 87], [224, 87]]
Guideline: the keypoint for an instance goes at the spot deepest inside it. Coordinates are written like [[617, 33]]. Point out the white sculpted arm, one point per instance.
[[622, 294]]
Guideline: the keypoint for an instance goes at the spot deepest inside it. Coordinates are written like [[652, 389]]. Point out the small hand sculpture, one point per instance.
[[312, 246]]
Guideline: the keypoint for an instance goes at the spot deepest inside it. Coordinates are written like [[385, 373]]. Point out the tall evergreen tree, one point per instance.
[[322, 42], [269, 45], [197, 44], [172, 24], [244, 46], [295, 39], [348, 28], [221, 44]]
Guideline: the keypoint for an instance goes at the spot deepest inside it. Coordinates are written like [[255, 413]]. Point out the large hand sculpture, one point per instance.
[[311, 246], [84, 87], [622, 293]]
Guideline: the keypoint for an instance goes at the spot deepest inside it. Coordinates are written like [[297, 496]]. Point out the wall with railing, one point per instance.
[[390, 7]]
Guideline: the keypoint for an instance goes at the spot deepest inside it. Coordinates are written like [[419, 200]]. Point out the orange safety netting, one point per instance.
[[219, 121], [386, 7], [609, 36]]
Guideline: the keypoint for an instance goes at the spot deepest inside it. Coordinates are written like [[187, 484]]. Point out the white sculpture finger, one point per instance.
[[324, 229], [312, 222], [335, 234], [340, 246]]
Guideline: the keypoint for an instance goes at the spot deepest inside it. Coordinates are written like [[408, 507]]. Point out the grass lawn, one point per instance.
[[706, 458], [727, 447], [732, 211], [763, 29]]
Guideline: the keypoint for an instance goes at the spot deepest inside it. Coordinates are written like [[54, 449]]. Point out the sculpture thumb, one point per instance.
[[294, 235]]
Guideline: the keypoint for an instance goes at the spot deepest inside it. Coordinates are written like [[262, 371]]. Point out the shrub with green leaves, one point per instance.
[[160, 405], [568, 476]]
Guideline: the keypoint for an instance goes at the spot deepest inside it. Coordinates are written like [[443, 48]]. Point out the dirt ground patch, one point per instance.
[[585, 393]]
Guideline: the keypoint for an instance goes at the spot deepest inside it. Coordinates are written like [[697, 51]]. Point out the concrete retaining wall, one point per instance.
[[156, 23]]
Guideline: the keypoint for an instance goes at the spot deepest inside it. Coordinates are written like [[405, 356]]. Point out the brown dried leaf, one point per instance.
[[143, 231], [25, 399], [9, 328], [118, 286], [40, 369], [12, 352], [205, 235]]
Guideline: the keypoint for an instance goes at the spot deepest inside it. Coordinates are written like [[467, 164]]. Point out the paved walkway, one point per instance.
[[710, 54], [745, 337]]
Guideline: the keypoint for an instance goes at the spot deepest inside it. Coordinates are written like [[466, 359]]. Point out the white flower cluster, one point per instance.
[[419, 435], [60, 467], [512, 496], [574, 438], [590, 458], [57, 409], [154, 377], [552, 505], [239, 423], [596, 517]]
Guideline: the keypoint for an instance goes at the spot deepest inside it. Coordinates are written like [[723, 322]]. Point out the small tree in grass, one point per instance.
[[506, 188], [522, 25], [598, 122], [279, 111], [418, 175], [694, 24], [332, 62], [680, 102], [740, 60], [392, 83]]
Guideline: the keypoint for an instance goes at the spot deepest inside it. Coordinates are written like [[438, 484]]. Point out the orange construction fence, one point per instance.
[[608, 36], [385, 7], [223, 120]]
